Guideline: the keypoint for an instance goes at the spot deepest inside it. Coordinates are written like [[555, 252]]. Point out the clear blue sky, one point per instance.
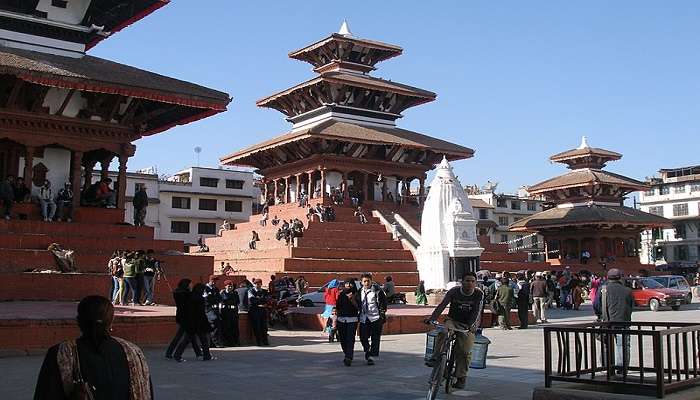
[[516, 81]]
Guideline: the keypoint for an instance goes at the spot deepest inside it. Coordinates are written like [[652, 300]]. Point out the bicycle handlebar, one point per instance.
[[439, 325]]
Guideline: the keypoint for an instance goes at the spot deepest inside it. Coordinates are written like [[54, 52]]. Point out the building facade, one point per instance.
[[193, 202], [674, 195], [495, 212]]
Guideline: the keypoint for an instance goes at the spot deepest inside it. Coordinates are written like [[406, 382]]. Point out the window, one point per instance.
[[515, 205], [234, 184], [206, 228], [208, 182], [207, 204], [680, 253], [532, 206], [680, 209], [680, 231], [679, 189], [234, 206], [138, 186], [501, 203], [181, 202], [665, 190], [658, 210], [650, 192], [695, 187], [179, 227], [483, 214], [502, 220], [504, 238]]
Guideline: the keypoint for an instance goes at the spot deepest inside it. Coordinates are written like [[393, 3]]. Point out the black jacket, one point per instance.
[[346, 307], [197, 321], [140, 199], [182, 303]]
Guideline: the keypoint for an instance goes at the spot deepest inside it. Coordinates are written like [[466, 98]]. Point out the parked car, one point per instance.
[[316, 298], [677, 282], [648, 292]]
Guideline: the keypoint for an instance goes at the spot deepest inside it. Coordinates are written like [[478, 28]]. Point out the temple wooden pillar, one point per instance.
[[421, 191], [286, 189], [121, 190], [29, 166], [275, 190], [346, 192], [104, 165], [364, 188], [297, 185], [384, 189], [310, 192], [76, 161], [89, 165], [265, 194], [323, 184]]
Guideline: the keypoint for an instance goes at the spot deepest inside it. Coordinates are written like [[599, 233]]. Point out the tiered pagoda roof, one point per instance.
[[345, 112], [587, 195]]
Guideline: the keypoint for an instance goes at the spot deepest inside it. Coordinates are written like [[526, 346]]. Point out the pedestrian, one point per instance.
[[372, 317], [538, 288], [523, 301], [330, 297], [252, 244], [596, 283], [576, 291], [110, 367], [129, 265], [197, 328], [332, 326], [140, 202], [64, 203], [229, 315], [257, 312], [301, 285], [348, 309], [212, 300], [114, 267], [421, 297], [242, 292], [565, 289], [139, 270], [615, 304], [182, 297], [7, 195], [466, 302], [48, 206], [551, 290], [505, 299], [151, 272]]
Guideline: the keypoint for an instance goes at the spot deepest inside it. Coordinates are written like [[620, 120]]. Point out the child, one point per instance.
[[332, 326]]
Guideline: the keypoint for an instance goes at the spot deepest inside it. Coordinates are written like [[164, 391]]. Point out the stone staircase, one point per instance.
[[341, 249], [95, 235]]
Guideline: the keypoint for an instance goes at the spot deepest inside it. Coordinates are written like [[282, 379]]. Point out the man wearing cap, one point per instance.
[[257, 311], [212, 298], [615, 304], [229, 314], [539, 296]]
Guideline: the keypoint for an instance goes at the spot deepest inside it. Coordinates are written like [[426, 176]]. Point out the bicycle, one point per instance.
[[444, 362]]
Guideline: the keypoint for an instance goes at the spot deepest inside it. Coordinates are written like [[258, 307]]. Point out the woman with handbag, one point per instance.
[[96, 365]]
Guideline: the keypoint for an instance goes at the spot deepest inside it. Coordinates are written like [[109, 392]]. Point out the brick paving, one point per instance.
[[303, 365]]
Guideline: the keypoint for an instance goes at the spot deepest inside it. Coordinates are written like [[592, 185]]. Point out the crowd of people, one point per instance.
[[134, 275]]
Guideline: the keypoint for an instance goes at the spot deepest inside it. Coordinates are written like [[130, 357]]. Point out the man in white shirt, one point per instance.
[[372, 316]]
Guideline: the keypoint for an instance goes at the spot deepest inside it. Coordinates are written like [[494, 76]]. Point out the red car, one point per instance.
[[648, 292]]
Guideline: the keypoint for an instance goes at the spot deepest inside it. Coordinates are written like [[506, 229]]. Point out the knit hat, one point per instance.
[[614, 273]]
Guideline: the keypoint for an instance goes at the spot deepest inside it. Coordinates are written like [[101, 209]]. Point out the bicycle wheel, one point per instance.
[[436, 378], [449, 368]]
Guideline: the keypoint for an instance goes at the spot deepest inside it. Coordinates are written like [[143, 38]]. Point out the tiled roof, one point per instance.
[[478, 203], [587, 215], [585, 177], [357, 133], [586, 151]]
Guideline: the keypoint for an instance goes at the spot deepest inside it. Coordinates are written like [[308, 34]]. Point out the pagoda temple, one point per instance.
[[587, 211], [344, 137]]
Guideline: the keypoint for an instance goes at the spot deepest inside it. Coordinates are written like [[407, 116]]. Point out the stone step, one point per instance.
[[346, 235], [76, 229], [344, 243], [352, 254], [93, 215], [42, 241], [73, 287], [20, 260], [311, 264]]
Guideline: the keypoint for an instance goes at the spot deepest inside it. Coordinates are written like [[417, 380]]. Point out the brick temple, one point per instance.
[[63, 113], [587, 213]]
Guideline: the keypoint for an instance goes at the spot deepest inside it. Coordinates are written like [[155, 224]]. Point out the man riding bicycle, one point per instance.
[[466, 302]]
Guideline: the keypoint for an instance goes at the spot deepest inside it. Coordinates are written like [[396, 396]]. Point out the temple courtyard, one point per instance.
[[301, 364]]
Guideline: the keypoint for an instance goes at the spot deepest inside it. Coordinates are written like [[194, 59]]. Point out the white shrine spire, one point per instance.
[[345, 29], [584, 143]]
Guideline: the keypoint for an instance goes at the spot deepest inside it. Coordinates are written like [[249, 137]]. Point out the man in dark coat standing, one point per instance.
[[615, 305], [523, 301], [140, 205]]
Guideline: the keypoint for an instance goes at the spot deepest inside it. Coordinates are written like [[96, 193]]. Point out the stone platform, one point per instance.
[[401, 319], [28, 327]]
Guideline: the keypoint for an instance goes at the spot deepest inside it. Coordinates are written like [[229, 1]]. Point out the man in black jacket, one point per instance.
[[466, 303], [140, 205], [523, 301], [615, 305], [181, 295], [257, 312], [229, 314], [212, 300]]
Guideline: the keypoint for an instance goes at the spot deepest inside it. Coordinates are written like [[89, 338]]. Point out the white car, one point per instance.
[[316, 298]]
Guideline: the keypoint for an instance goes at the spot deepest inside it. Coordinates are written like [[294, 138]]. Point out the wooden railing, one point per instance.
[[661, 357]]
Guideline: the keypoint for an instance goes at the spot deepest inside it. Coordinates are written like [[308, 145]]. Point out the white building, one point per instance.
[[674, 195], [495, 212], [193, 202]]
